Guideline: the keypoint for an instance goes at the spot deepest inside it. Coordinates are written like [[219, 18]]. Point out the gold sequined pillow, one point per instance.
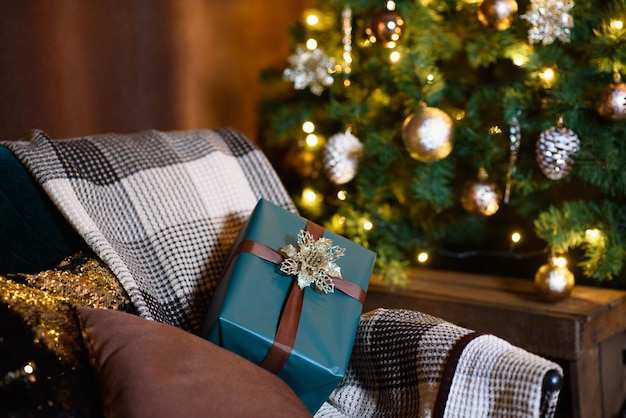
[[44, 369]]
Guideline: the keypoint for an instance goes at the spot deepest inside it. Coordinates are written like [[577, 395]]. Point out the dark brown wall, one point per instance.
[[76, 67]]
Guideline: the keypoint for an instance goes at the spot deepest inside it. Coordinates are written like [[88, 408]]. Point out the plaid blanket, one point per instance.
[[163, 209], [410, 364]]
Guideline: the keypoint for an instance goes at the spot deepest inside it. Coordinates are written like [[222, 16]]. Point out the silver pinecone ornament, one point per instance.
[[555, 149]]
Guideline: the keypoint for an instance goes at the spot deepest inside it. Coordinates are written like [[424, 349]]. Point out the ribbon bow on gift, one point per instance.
[[314, 265]]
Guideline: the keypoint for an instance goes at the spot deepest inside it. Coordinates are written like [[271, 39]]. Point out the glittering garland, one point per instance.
[[346, 24], [515, 139]]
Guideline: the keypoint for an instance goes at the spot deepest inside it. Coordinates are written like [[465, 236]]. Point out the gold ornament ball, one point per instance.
[[612, 102], [428, 134], [498, 14], [553, 282], [386, 27], [481, 198]]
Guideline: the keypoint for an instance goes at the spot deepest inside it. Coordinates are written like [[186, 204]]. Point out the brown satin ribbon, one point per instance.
[[285, 338]]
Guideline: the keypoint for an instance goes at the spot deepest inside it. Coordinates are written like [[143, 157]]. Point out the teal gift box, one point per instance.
[[308, 342]]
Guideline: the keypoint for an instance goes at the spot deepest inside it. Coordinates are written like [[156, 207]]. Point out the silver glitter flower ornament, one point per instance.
[[312, 69], [550, 20], [313, 262]]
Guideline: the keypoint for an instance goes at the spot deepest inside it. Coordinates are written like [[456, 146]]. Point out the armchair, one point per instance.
[[147, 220]]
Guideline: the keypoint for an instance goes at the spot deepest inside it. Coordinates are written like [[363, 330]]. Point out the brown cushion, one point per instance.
[[150, 369]]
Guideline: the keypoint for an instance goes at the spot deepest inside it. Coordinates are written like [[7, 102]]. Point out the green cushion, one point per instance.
[[34, 236]]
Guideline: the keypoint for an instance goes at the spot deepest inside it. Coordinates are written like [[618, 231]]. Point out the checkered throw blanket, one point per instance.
[[409, 364], [163, 209]]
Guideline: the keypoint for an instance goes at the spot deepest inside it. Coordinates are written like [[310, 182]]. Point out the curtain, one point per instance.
[[75, 67]]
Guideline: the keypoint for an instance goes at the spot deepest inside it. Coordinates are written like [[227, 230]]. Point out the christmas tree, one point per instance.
[[474, 135]]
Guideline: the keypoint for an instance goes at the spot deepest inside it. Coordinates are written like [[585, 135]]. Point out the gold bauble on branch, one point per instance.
[[612, 102], [428, 134], [553, 281], [481, 197], [498, 14], [386, 27]]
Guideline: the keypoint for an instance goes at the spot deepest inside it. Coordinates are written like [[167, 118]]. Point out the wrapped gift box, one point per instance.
[[248, 305]]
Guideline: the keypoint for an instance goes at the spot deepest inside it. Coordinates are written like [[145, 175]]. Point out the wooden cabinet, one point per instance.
[[585, 333]]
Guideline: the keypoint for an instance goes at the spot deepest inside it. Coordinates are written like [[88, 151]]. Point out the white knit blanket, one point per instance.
[[409, 364], [163, 209]]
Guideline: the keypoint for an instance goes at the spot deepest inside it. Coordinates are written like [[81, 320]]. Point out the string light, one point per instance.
[[309, 195], [367, 225], [430, 78], [29, 368], [308, 127], [336, 224], [311, 44], [547, 74], [616, 24], [312, 19], [492, 208], [312, 140], [394, 56], [548, 77], [519, 53], [516, 237], [422, 257], [391, 5], [312, 201], [342, 195], [519, 60], [594, 236]]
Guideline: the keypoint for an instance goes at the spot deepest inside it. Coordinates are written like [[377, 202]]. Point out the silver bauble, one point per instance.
[[428, 134], [555, 149], [341, 157]]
